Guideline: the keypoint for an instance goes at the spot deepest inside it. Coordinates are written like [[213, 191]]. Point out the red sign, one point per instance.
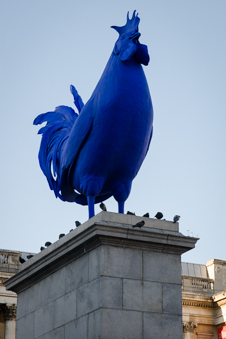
[[222, 332]]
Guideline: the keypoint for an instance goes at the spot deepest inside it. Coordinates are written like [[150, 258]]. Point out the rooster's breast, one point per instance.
[[119, 138]]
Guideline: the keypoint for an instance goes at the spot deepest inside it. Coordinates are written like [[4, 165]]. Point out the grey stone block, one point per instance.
[[152, 296], [142, 295], [55, 334], [46, 290], [132, 294], [111, 292], [121, 262], [22, 303], [77, 329], [56, 285], [44, 320], [65, 309], [77, 273], [88, 297], [94, 325], [94, 263], [162, 326], [172, 299], [36, 296], [25, 327], [117, 324], [162, 267]]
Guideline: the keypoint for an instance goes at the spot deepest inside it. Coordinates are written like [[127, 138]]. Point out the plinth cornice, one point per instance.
[[104, 229]]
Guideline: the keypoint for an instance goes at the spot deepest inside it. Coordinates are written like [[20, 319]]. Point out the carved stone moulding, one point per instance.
[[7, 312], [198, 303], [204, 335], [189, 326]]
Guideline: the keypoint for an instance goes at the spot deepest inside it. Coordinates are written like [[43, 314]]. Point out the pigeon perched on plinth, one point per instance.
[[176, 218], [159, 215], [146, 215], [103, 207], [139, 224], [21, 260], [130, 213], [77, 224]]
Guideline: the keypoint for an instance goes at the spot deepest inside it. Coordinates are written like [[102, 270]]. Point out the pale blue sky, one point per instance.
[[48, 45]]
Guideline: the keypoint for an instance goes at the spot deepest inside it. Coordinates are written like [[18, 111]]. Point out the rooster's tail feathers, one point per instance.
[[54, 134]]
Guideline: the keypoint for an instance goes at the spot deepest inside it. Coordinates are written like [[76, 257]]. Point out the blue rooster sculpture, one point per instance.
[[96, 153]]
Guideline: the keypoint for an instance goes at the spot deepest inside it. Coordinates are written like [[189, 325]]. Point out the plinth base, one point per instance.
[[104, 280]]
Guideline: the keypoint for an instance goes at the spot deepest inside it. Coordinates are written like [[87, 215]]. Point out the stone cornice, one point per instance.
[[198, 303], [93, 233], [197, 300], [206, 302]]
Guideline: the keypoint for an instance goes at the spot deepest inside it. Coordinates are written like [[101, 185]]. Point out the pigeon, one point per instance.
[[42, 248], [146, 215], [48, 243], [30, 256], [103, 207], [176, 218], [61, 235], [139, 224], [21, 260], [130, 213], [71, 230], [77, 224], [159, 215]]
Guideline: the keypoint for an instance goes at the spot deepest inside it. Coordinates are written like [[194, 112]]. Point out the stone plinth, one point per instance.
[[104, 280]]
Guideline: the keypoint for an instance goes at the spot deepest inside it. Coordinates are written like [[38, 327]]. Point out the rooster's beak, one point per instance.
[[135, 36]]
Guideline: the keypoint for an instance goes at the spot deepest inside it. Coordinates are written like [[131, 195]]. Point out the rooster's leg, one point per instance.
[[91, 201], [121, 206]]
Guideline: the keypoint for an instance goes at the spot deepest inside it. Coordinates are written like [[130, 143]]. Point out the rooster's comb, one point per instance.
[[131, 25]]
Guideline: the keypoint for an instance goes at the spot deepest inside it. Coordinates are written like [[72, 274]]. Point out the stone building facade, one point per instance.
[[204, 300], [9, 265]]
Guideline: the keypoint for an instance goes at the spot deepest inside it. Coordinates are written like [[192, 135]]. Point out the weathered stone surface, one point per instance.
[[77, 328], [43, 320], [94, 263], [172, 299], [162, 267], [94, 324], [88, 297], [142, 295], [111, 292], [55, 334], [121, 262], [22, 304], [114, 324], [25, 327], [77, 273], [162, 325], [65, 309], [121, 323]]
